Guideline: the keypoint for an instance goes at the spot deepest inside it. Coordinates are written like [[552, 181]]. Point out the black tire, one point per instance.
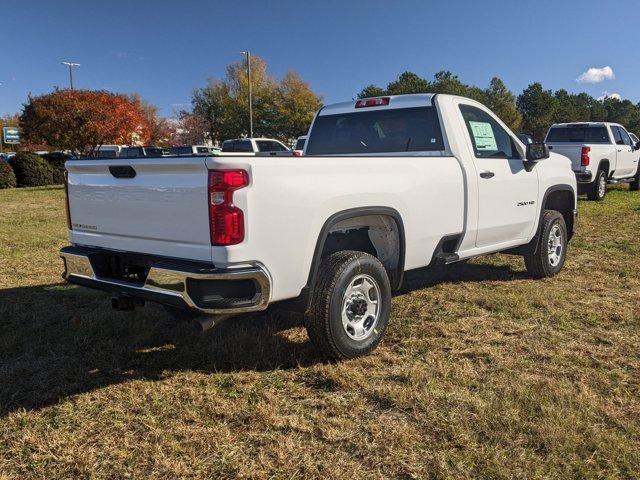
[[540, 261], [634, 186], [595, 190], [339, 274]]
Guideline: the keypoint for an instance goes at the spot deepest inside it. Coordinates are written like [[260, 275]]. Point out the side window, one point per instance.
[[489, 139], [228, 146], [202, 150], [625, 136], [617, 136], [243, 146], [269, 146], [263, 145]]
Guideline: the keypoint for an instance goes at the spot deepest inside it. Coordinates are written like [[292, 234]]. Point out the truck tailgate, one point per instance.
[[571, 151], [151, 205]]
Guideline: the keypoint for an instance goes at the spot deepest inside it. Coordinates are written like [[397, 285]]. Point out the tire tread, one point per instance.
[[317, 316], [535, 260]]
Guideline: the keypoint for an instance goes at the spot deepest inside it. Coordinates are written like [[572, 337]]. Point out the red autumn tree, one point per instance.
[[82, 120], [160, 130]]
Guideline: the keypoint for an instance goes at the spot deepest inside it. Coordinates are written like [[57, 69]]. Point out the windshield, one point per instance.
[[578, 134], [415, 129]]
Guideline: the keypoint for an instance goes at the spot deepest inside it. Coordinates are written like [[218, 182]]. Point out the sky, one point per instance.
[[165, 49]]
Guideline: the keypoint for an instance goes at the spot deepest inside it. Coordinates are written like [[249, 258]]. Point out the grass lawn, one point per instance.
[[484, 373]]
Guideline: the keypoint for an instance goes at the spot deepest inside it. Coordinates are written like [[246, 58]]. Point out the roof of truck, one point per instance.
[[395, 101], [583, 124]]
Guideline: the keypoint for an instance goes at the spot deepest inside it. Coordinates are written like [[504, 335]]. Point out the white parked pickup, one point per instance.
[[252, 146], [600, 153], [385, 185]]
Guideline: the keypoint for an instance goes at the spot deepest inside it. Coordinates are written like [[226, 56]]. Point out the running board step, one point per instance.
[[614, 181], [446, 258]]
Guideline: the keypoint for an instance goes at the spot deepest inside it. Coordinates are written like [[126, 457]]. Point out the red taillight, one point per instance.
[[297, 153], [66, 198], [226, 221], [372, 102], [584, 156]]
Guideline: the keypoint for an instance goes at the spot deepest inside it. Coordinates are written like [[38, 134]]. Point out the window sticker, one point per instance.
[[483, 136]]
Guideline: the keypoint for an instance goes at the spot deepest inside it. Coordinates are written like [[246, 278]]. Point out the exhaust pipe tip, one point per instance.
[[207, 322]]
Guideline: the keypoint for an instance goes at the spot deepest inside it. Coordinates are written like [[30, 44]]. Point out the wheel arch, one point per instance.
[[605, 165], [353, 213], [561, 198]]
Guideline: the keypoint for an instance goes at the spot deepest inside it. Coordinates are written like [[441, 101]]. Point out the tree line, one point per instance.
[[81, 120], [531, 112]]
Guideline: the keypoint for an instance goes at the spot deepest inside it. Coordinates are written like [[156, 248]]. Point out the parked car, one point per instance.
[[388, 185], [600, 153], [108, 151], [245, 146], [299, 146], [133, 152], [193, 150]]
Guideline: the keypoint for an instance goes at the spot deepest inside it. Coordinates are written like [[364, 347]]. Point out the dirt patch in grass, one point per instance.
[[484, 372]]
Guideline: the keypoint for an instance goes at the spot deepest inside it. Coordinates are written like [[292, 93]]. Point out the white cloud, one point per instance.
[[596, 75], [604, 95]]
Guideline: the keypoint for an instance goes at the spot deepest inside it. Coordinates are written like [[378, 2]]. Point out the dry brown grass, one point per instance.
[[484, 373]]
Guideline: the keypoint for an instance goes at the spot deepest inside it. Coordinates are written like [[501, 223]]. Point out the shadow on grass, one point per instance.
[[61, 340]]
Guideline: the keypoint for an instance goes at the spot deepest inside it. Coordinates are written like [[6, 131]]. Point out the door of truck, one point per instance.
[[626, 155], [507, 191]]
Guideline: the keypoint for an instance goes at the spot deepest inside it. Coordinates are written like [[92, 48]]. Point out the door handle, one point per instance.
[[487, 174], [620, 150]]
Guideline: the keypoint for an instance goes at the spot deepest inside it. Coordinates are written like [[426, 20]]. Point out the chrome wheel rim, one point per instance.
[[361, 307], [602, 186], [555, 245]]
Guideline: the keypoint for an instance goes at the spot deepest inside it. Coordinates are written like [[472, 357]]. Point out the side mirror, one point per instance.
[[525, 138], [637, 146], [537, 151]]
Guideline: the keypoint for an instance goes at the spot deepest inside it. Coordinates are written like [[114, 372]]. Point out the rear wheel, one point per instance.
[[547, 255], [349, 309], [598, 188]]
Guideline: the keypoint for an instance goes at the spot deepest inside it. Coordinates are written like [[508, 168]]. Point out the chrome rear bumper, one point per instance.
[[204, 288]]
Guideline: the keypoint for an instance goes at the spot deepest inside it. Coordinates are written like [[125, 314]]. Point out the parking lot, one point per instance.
[[483, 373]]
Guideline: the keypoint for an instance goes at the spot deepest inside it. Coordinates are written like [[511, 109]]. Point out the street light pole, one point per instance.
[[248, 55], [71, 65]]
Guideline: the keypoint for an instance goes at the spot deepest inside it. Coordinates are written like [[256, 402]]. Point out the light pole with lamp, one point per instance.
[[248, 56], [71, 65]]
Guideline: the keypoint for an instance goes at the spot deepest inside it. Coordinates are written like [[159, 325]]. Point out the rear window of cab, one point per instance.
[[415, 129], [578, 134]]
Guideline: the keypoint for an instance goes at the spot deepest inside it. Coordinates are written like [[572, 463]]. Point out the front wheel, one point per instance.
[[350, 305], [598, 189], [634, 186], [547, 255]]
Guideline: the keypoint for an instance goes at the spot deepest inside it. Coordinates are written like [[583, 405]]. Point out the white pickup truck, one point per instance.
[[252, 146], [600, 153], [385, 185]]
